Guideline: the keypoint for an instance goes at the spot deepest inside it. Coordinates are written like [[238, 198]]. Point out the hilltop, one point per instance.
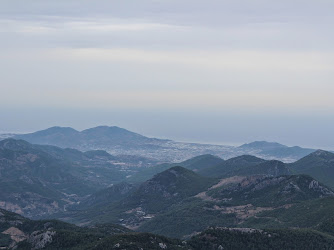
[[231, 165], [319, 165]]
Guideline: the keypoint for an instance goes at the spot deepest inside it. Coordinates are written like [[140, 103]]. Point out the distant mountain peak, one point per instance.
[[105, 127], [111, 131], [101, 137], [58, 129], [176, 178], [261, 144]]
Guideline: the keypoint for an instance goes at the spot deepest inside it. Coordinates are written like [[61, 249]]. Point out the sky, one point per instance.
[[225, 71]]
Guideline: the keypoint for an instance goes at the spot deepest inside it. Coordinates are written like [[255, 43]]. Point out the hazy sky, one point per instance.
[[225, 71]]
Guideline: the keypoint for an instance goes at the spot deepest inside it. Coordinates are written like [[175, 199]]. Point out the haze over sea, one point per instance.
[[203, 71]]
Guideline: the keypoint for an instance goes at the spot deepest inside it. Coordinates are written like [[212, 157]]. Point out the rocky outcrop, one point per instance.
[[40, 239], [314, 185]]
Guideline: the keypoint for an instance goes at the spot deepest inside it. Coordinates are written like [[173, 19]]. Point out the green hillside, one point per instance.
[[254, 201], [106, 196], [319, 165], [150, 198]]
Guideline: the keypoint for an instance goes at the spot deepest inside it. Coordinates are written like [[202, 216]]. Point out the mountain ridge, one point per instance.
[[241, 201], [319, 164]]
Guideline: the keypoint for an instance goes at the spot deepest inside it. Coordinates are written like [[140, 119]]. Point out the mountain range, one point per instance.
[[172, 199], [319, 165], [119, 141], [42, 179], [179, 202]]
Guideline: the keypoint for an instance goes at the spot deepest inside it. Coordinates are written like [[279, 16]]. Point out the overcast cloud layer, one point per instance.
[[211, 67]]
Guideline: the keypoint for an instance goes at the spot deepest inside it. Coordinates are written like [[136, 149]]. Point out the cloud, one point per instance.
[[159, 46], [236, 60], [121, 70], [227, 25], [53, 25]]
